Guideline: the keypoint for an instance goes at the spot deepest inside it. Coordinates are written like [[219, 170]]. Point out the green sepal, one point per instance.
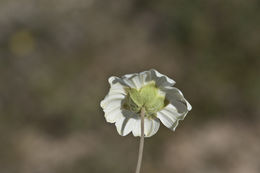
[[148, 92], [135, 96], [148, 97], [154, 105]]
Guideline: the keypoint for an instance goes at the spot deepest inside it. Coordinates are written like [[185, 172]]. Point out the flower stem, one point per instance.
[[141, 145]]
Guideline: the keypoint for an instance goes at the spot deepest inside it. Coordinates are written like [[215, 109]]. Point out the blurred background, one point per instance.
[[56, 57]]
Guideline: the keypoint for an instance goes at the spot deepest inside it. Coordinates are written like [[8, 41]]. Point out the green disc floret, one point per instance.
[[148, 97]]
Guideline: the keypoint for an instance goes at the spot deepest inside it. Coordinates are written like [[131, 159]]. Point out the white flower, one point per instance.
[[149, 90]]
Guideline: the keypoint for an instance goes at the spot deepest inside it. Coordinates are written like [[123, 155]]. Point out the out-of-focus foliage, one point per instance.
[[56, 57]]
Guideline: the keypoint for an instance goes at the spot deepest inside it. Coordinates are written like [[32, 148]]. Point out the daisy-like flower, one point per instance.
[[149, 92]]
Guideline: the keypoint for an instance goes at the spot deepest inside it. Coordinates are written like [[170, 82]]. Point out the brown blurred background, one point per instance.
[[56, 57]]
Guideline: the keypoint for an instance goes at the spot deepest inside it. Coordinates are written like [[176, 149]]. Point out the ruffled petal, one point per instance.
[[113, 115], [137, 80], [129, 80], [112, 103], [112, 100], [176, 98], [129, 75], [169, 116], [176, 110], [117, 84], [133, 80], [116, 93], [145, 77], [137, 128], [151, 126], [124, 125], [160, 79]]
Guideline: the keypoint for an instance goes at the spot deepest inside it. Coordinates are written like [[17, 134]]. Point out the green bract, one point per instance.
[[148, 97]]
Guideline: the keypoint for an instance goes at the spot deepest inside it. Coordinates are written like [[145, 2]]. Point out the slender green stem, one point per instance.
[[141, 145]]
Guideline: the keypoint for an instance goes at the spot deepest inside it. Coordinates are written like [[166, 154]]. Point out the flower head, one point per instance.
[[148, 90]]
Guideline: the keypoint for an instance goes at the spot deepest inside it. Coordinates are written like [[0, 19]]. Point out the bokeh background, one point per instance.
[[56, 57]]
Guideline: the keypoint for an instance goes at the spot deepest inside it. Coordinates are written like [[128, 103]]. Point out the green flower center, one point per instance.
[[149, 97]]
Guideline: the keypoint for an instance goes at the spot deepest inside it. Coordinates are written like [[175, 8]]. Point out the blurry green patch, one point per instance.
[[21, 43]]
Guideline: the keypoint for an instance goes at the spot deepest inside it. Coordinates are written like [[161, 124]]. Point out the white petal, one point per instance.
[[117, 89], [134, 80], [124, 125], [117, 85], [142, 79], [151, 126], [137, 82], [166, 119], [189, 107], [148, 125], [114, 98], [160, 79], [172, 110], [113, 79], [113, 116], [137, 128], [169, 116], [176, 98], [145, 77], [111, 100], [156, 125], [129, 75], [112, 107], [129, 83]]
